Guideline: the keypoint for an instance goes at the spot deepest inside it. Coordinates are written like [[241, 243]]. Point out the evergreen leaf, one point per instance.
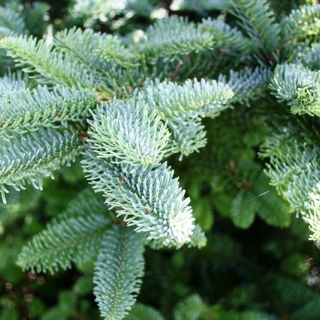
[[23, 109], [294, 162], [143, 312], [182, 106], [18, 205], [13, 82], [221, 313], [203, 213], [190, 308], [311, 57], [112, 50], [31, 157], [124, 102], [82, 46], [188, 133], [206, 97], [82, 205], [45, 64], [257, 20], [147, 197], [11, 22], [174, 37], [243, 209], [126, 132], [36, 18], [301, 24], [103, 55], [197, 239], [74, 236], [227, 39], [291, 291], [299, 87], [198, 5], [118, 271], [103, 12], [248, 85], [310, 310], [269, 205]]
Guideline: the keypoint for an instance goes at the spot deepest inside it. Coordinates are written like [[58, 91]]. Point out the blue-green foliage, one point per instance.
[[124, 106], [191, 308], [311, 57], [247, 84], [144, 141], [73, 236], [13, 82], [298, 86], [11, 22], [293, 161], [182, 107], [227, 39], [118, 271], [140, 312], [25, 110], [259, 24], [52, 67], [34, 156], [172, 38], [131, 190]]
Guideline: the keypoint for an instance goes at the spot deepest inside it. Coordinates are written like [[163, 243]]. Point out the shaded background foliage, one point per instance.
[[249, 270]]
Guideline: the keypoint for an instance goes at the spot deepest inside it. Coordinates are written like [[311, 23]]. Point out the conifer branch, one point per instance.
[[197, 239], [299, 87], [243, 209], [182, 106], [247, 84], [227, 39], [105, 55], [260, 199], [13, 82], [301, 24], [200, 6], [76, 239], [206, 97], [131, 117], [118, 272], [311, 57], [294, 162], [126, 132], [36, 16], [142, 312], [106, 11], [147, 197], [23, 109], [45, 64], [83, 204], [32, 157], [74, 235], [188, 133], [174, 37], [312, 213], [191, 308], [82, 47], [112, 50], [11, 22], [257, 20]]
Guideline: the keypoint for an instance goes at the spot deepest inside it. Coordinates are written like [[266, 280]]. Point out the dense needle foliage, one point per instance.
[[159, 159]]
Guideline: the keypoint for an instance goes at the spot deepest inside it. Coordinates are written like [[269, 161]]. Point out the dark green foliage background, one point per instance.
[[258, 271]]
